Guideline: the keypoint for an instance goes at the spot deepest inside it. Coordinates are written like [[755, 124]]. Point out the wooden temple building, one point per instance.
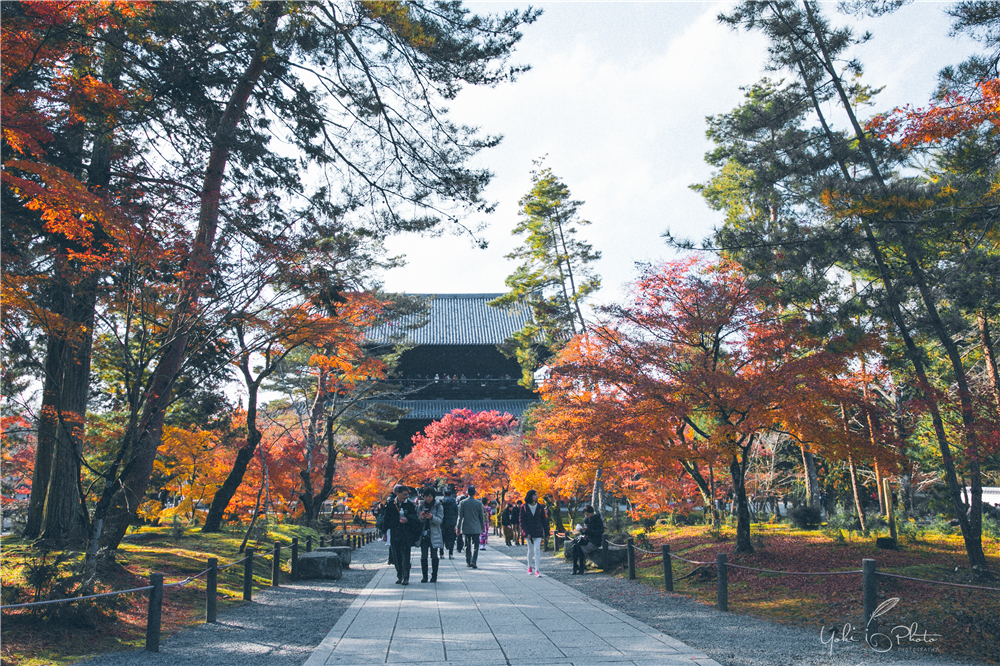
[[455, 363]]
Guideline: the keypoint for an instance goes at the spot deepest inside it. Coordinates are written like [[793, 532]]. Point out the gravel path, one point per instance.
[[283, 626], [728, 638]]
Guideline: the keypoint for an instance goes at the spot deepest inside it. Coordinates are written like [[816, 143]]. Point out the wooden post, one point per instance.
[[869, 597], [293, 565], [322, 542], [668, 568], [276, 566], [309, 544], [890, 510], [248, 575], [604, 547], [630, 548], [211, 590], [723, 582], [153, 614]]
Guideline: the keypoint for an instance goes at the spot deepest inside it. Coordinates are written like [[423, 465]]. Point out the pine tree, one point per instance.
[[554, 277]]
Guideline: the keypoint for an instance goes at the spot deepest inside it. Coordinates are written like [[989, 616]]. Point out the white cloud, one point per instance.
[[617, 98]]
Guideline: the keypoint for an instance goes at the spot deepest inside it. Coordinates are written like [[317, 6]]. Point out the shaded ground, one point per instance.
[[283, 626]]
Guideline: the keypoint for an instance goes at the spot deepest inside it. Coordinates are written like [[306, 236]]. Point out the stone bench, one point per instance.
[[344, 552], [617, 557], [319, 565]]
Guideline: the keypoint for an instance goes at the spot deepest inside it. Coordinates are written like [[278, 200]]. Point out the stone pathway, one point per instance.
[[491, 616]]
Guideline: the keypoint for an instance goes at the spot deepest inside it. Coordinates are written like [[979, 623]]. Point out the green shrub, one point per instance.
[[877, 523], [177, 528], [991, 528], [805, 517], [909, 531], [842, 521]]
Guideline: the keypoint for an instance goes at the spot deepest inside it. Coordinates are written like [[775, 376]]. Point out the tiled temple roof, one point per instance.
[[459, 319], [435, 409]]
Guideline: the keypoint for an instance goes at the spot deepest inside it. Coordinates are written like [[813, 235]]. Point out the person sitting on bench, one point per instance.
[[591, 533]]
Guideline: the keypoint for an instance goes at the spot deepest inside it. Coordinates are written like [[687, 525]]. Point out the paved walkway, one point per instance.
[[491, 616]]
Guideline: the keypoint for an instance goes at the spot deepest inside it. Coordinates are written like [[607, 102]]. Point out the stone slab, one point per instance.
[[491, 616]]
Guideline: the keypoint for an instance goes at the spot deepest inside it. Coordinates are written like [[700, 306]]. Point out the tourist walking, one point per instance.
[[461, 540], [545, 526], [403, 524], [507, 522], [518, 535], [448, 523], [592, 533], [485, 535], [495, 515], [431, 516], [471, 523], [531, 521]]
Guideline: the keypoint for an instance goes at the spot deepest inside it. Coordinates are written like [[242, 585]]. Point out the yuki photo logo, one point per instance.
[[899, 637]]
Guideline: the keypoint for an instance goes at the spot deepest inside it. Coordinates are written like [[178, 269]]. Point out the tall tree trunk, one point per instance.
[[597, 494], [990, 355], [737, 470], [858, 506], [224, 495], [316, 501], [704, 487], [878, 488], [811, 478], [123, 494], [64, 522], [48, 424]]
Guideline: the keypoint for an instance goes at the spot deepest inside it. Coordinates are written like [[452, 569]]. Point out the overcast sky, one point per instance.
[[616, 99]]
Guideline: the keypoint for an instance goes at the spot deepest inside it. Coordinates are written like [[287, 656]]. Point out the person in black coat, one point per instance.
[[449, 522], [403, 523], [507, 518], [532, 523], [592, 534]]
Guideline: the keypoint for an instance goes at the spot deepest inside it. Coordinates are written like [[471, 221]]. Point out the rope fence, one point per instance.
[[868, 571], [156, 586]]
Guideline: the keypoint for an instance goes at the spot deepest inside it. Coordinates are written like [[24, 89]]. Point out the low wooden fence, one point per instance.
[[156, 585], [868, 571]]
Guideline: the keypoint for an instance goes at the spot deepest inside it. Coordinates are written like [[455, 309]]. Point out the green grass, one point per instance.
[[69, 632], [968, 620]]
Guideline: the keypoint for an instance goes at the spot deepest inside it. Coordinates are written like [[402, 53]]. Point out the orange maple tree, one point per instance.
[[702, 342], [953, 115]]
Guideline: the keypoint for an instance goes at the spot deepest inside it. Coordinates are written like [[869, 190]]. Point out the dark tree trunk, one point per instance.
[[224, 495], [811, 479], [48, 424], [737, 470], [991, 360], [314, 503], [64, 522], [703, 487]]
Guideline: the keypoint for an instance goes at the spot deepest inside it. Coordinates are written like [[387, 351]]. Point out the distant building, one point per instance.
[[455, 363]]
